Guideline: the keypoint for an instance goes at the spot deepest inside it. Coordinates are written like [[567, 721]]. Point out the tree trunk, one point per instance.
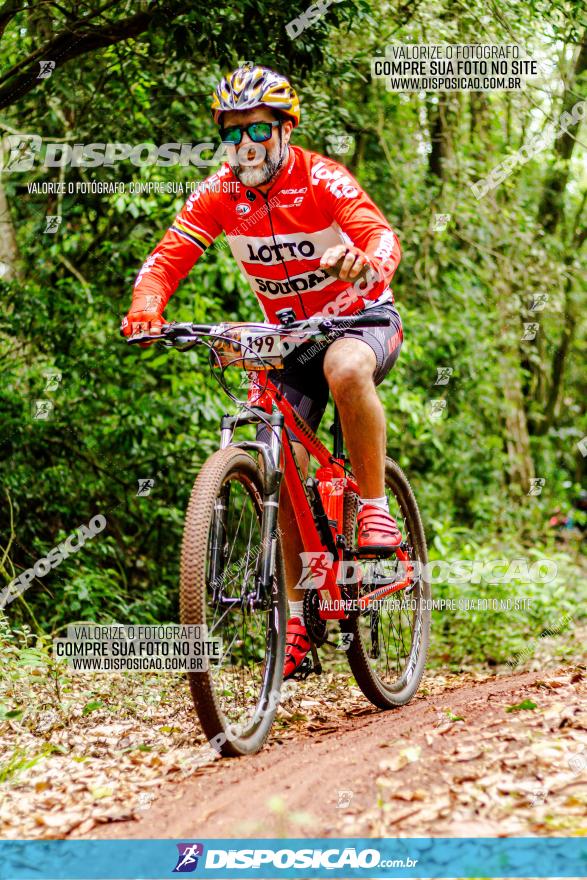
[[521, 465], [560, 357], [8, 247], [438, 125], [551, 207]]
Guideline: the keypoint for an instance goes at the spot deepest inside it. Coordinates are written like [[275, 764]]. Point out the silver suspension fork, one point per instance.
[[270, 526], [271, 454]]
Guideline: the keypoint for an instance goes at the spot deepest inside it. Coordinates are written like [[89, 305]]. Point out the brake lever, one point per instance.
[[144, 337]]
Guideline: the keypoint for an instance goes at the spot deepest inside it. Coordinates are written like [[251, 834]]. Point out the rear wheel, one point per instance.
[[236, 698], [388, 643]]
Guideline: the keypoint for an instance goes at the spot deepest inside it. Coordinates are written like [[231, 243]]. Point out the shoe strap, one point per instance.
[[296, 637], [376, 514], [295, 627]]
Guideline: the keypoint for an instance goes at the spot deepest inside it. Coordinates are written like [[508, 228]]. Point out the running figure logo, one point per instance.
[[189, 853], [315, 566], [145, 486]]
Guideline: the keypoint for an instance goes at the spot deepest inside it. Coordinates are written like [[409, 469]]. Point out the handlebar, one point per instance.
[[182, 333]]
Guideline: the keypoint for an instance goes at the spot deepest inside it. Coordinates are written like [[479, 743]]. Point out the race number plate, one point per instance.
[[261, 350]]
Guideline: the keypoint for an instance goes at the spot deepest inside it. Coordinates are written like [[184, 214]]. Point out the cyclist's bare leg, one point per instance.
[[349, 365], [292, 540]]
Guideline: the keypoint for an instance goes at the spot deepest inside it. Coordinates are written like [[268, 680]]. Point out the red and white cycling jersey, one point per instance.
[[278, 238]]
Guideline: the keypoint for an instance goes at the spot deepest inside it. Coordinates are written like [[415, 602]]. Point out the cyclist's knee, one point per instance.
[[349, 366]]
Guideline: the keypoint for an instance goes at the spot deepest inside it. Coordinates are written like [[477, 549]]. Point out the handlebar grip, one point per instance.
[[362, 321], [374, 321]]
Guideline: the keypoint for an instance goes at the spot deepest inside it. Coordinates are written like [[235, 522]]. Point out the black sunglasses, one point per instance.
[[257, 131]]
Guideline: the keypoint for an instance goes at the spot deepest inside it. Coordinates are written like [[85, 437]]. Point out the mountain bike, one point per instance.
[[232, 578]]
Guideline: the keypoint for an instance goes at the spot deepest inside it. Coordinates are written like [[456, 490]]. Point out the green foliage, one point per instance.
[[499, 611], [121, 415], [524, 705]]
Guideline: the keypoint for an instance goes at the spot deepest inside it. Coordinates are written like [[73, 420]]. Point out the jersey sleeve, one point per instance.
[[192, 231], [357, 215]]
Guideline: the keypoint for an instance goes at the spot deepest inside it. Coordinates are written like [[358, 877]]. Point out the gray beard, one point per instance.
[[258, 175]]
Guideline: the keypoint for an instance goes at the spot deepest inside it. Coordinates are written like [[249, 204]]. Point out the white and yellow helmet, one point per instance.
[[252, 86]]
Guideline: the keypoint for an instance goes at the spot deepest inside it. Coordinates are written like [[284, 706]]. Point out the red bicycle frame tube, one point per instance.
[[331, 605], [382, 592], [331, 602]]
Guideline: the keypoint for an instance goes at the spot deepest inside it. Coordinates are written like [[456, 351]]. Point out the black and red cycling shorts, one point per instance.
[[303, 383]]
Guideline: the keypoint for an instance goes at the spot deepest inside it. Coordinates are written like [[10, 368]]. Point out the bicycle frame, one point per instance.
[[333, 482], [320, 519]]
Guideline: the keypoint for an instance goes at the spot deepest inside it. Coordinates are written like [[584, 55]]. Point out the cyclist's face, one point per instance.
[[258, 163]]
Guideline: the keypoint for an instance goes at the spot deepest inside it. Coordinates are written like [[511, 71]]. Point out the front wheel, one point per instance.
[[237, 697], [388, 643]]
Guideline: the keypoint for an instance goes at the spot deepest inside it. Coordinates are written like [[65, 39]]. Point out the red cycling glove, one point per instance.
[[145, 315]]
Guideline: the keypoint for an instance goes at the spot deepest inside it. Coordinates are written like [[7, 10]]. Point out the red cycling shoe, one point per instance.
[[378, 530], [297, 645]]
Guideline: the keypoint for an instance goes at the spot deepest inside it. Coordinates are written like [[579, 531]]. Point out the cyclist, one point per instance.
[[307, 238]]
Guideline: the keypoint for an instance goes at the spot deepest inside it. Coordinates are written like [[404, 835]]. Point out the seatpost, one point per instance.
[[338, 446]]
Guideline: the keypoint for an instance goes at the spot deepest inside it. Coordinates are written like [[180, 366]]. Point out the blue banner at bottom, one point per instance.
[[315, 857]]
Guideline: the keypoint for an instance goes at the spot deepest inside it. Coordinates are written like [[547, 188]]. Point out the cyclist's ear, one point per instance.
[[286, 130], [286, 127]]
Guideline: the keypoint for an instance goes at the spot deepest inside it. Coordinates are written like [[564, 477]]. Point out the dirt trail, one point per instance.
[[454, 763]]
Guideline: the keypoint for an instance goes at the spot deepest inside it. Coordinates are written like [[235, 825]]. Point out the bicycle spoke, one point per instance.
[[391, 639], [239, 673]]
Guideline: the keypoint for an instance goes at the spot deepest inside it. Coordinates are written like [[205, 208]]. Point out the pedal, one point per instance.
[[305, 669]]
